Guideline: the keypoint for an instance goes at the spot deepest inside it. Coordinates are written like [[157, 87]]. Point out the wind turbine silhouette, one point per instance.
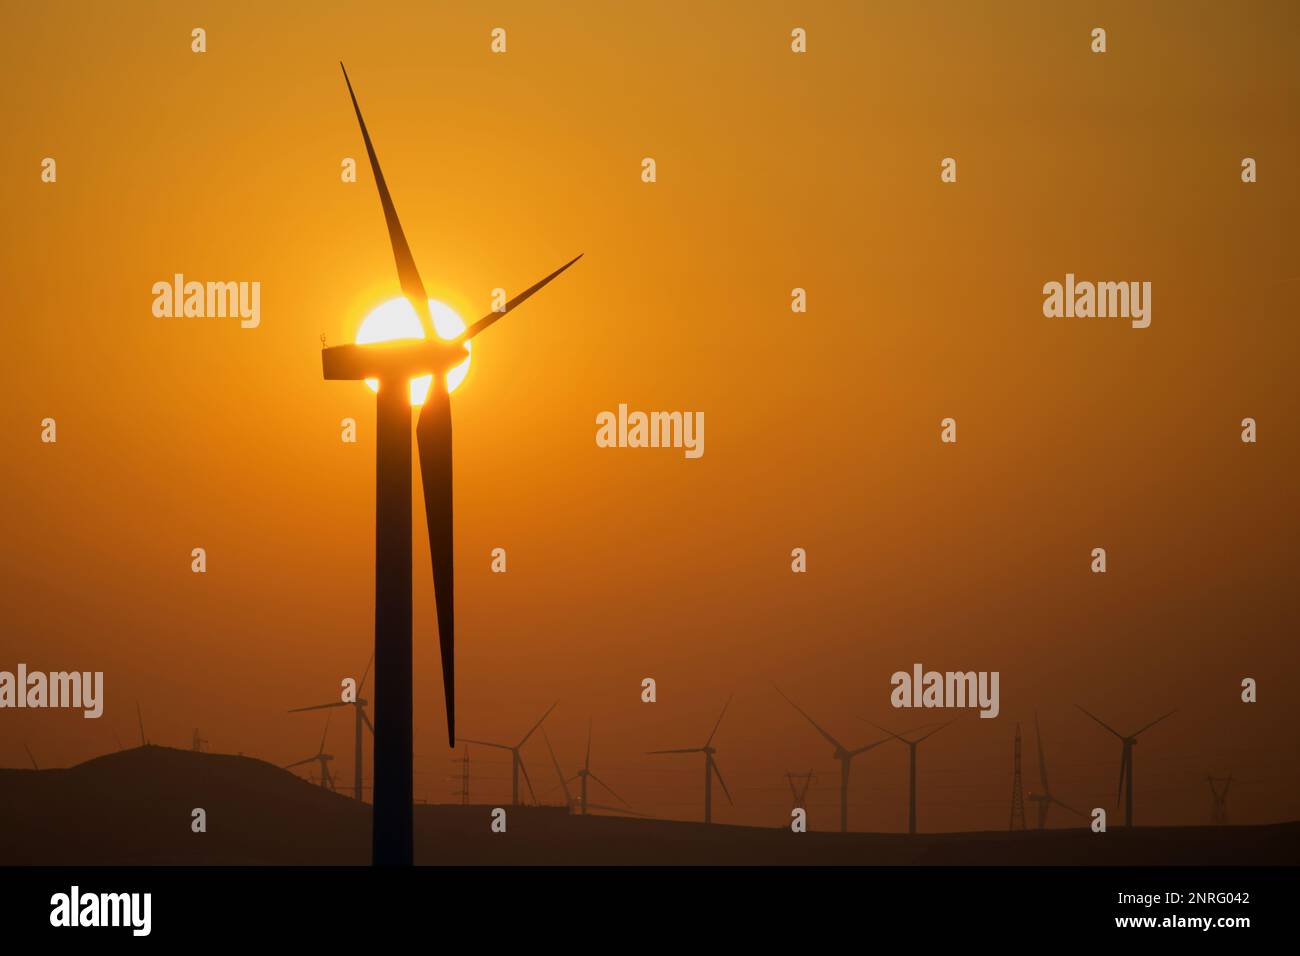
[[326, 781], [1219, 815], [710, 766], [799, 791], [393, 365], [585, 774], [516, 759], [911, 767], [842, 754], [1045, 799], [1125, 790], [359, 710]]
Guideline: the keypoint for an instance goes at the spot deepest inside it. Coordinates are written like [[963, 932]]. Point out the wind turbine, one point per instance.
[[359, 711], [1125, 790], [568, 799], [842, 754], [1219, 815], [394, 364], [326, 781], [911, 768], [799, 791], [710, 766], [1045, 799], [585, 775], [516, 760]]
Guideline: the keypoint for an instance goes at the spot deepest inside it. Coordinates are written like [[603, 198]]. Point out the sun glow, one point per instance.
[[396, 319]]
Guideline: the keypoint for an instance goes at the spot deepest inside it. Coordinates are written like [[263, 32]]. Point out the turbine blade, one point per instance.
[[370, 663], [937, 729], [833, 742], [684, 750], [1060, 803], [526, 780], [718, 774], [1153, 723], [538, 724], [484, 743], [871, 746], [30, 757], [1042, 761], [608, 788], [337, 703], [514, 303], [324, 733], [587, 763], [1103, 723], [719, 723], [558, 772], [1123, 770], [433, 437], [290, 766], [885, 729], [409, 278]]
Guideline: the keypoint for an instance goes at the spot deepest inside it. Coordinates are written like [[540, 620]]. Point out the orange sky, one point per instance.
[[774, 171]]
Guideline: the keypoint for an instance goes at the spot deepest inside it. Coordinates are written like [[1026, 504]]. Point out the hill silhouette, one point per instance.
[[133, 808]]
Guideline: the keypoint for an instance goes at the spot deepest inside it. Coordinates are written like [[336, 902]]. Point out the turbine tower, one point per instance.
[[1219, 814], [516, 760], [841, 753], [1045, 799], [710, 766], [911, 768], [1125, 791], [584, 775], [359, 714], [139, 717], [393, 365], [326, 780]]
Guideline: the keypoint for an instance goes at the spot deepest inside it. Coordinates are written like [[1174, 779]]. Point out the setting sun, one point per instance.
[[396, 319]]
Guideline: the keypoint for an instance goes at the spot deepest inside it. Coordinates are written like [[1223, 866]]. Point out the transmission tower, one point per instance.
[[1017, 792], [1219, 812], [464, 778]]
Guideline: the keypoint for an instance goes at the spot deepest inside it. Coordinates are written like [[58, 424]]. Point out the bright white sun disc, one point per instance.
[[396, 319]]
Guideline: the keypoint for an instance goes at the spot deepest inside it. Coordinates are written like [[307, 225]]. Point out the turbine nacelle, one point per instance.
[[400, 361]]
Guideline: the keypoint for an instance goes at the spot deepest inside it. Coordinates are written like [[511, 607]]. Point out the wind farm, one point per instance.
[[941, 552]]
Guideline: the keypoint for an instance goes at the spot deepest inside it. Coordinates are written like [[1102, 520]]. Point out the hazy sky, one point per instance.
[[774, 171]]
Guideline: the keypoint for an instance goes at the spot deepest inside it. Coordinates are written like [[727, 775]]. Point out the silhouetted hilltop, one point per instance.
[[133, 807]]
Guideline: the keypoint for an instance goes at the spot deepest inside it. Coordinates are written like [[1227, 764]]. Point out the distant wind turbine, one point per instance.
[[710, 766], [911, 768], [1125, 791], [585, 775], [326, 781], [1045, 799], [842, 754], [359, 713], [516, 760], [1219, 815]]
